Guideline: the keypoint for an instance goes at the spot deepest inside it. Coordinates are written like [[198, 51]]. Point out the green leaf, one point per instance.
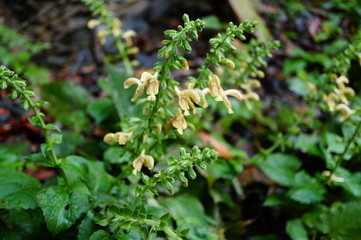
[[306, 189], [212, 22], [86, 228], [351, 182], [189, 213], [39, 158], [334, 143], [69, 144], [296, 230], [18, 190], [100, 235], [99, 179], [68, 102], [298, 86], [341, 222], [75, 168], [121, 96], [27, 223], [10, 156], [61, 208], [100, 109], [280, 167], [293, 65], [56, 138]]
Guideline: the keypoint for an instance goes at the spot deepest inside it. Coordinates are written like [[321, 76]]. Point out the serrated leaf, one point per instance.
[[306, 189], [296, 230], [342, 222], [75, 168], [18, 190], [280, 167], [61, 208]]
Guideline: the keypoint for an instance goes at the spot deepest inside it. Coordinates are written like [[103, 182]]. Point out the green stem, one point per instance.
[[127, 64], [116, 231], [342, 156], [42, 126]]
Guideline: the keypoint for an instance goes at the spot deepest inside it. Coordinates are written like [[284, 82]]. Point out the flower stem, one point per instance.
[[342, 156]]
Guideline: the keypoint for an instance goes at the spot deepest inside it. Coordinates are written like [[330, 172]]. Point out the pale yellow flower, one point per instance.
[[230, 64], [120, 137], [146, 160], [346, 111], [92, 23], [341, 81], [108, 138], [128, 35], [234, 93], [186, 99], [215, 89], [102, 35], [344, 91], [250, 96], [312, 88], [148, 81], [330, 100], [179, 122]]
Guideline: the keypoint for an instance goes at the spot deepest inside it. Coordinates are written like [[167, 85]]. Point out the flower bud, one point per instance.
[[192, 173], [108, 138], [230, 64]]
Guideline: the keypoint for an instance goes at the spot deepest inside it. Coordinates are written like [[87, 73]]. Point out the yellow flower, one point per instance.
[[250, 96], [344, 91], [128, 35], [234, 93], [148, 81], [179, 122], [120, 137], [92, 23], [215, 89], [341, 81], [312, 88], [102, 35], [347, 112], [146, 160], [230, 64], [108, 138], [330, 100], [185, 98], [116, 27]]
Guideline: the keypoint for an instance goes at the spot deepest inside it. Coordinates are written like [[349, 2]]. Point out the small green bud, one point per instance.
[[192, 173], [196, 150], [182, 152], [182, 177], [202, 165]]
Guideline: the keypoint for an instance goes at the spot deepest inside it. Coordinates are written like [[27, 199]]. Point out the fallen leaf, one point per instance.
[[216, 144]]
